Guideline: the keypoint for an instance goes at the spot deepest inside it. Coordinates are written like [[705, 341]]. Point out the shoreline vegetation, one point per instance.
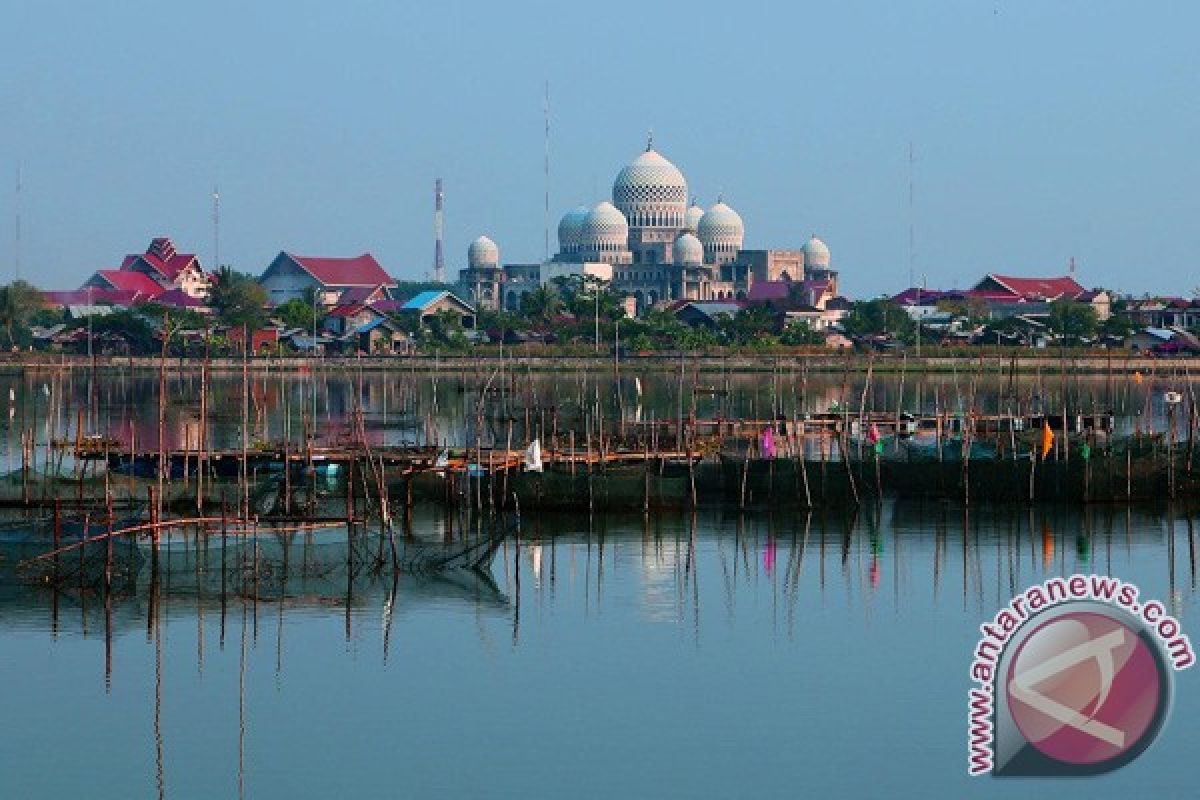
[[977, 360]]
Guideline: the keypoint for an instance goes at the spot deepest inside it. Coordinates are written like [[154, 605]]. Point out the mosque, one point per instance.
[[653, 244]]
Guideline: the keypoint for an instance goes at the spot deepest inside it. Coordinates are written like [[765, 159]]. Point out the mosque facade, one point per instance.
[[653, 243]]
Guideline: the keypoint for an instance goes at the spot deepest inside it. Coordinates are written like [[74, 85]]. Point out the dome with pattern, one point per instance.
[[604, 229], [722, 233], [687, 250], [569, 229], [816, 254], [483, 254], [691, 218], [651, 192]]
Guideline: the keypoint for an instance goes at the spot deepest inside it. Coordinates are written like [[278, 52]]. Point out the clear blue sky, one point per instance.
[[1042, 130]]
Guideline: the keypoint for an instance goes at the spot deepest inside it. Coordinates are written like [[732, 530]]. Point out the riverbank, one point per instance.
[[986, 361]]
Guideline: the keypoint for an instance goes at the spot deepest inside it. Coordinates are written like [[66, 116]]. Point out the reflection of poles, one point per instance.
[[156, 623], [242, 710]]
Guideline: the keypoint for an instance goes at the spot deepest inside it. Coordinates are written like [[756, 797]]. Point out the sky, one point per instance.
[[1040, 131]]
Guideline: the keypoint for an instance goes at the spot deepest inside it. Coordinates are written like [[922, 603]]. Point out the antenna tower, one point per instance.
[[439, 262], [546, 170], [912, 223]]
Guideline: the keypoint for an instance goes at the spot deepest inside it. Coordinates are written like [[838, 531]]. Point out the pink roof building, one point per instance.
[[155, 271]]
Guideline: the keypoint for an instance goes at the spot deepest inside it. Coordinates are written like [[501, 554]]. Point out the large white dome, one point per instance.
[[570, 227], [816, 253], [651, 192], [687, 250], [691, 218], [604, 229], [483, 253]]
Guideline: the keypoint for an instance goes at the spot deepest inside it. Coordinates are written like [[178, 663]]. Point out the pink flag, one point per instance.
[[768, 443], [873, 434]]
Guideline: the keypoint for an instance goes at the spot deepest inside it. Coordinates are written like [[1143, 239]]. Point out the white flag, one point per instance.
[[533, 456]]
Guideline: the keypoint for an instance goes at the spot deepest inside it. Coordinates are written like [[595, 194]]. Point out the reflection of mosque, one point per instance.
[[652, 244]]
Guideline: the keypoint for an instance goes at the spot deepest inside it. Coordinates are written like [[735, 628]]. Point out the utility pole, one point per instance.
[[216, 221], [17, 225]]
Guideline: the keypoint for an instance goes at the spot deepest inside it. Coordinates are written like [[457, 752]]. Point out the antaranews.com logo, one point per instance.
[[1075, 677]]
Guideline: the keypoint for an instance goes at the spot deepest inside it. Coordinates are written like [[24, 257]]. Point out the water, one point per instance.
[[710, 656]]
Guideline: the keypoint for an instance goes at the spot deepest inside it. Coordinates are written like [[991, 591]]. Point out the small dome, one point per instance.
[[651, 191], [691, 220], [483, 253], [816, 254], [687, 250], [721, 225], [570, 227], [604, 229]]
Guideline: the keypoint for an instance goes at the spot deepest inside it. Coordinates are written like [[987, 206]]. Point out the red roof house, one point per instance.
[[290, 276], [1000, 287], [127, 280]]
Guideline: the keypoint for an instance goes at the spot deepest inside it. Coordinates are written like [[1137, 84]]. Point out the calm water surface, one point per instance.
[[714, 656]]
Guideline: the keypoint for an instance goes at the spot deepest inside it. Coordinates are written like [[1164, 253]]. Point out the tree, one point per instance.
[[878, 316], [1116, 325], [19, 301], [799, 332], [972, 309], [749, 326], [239, 299], [132, 326], [1072, 320], [541, 304], [180, 318], [296, 313]]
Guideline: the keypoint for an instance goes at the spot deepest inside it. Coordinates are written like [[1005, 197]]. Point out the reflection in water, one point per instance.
[[726, 585]]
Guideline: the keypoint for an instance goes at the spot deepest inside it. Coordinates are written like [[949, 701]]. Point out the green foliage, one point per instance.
[[19, 302], [180, 318], [542, 304], [799, 333], [1072, 320], [753, 326], [239, 300], [973, 309], [296, 313], [879, 316], [1116, 325], [132, 326]]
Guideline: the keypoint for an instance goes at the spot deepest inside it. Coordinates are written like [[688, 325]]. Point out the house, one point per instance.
[[1163, 312], [1162, 340], [260, 340], [784, 295], [380, 336], [706, 314], [109, 298], [345, 318], [999, 296], [124, 281], [429, 304], [1006, 295], [291, 277], [179, 299], [161, 268]]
